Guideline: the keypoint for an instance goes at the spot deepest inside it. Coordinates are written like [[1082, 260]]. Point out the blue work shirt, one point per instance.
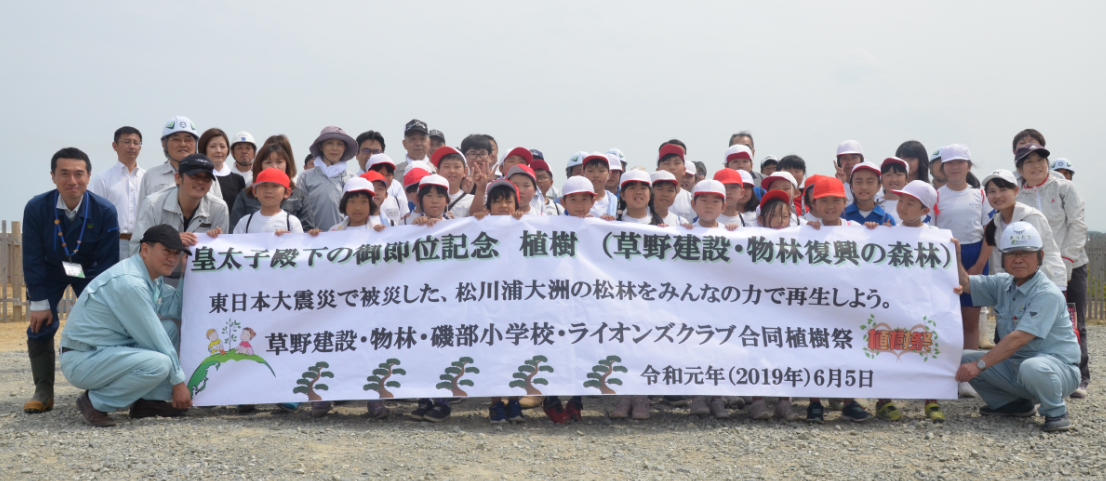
[[1036, 307], [121, 307], [877, 215]]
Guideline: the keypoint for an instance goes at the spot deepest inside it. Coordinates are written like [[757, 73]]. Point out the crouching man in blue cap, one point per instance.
[[120, 343], [1037, 359]]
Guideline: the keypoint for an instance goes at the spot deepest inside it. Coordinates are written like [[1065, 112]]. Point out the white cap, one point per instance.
[[664, 176], [746, 177], [577, 185], [355, 184], [737, 151], [709, 186], [597, 156], [383, 158], [418, 164], [176, 124], [1000, 174], [1020, 236], [243, 136], [434, 179], [1063, 164], [895, 160], [919, 190], [577, 159], [777, 175], [955, 152], [865, 165], [635, 176], [614, 161], [849, 147]]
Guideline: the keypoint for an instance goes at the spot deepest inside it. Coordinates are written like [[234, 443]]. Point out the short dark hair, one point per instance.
[[792, 162], [770, 161], [1031, 133], [674, 142], [388, 167], [428, 188], [307, 159], [597, 162], [70, 153], [371, 135], [699, 165], [125, 130], [768, 210], [476, 142], [373, 208], [743, 133], [912, 149], [500, 192], [893, 167]]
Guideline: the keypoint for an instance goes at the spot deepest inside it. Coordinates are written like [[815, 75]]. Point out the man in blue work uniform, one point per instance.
[[68, 234], [1037, 359], [120, 342]]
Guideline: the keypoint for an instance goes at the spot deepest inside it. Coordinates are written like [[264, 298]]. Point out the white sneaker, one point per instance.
[[966, 390]]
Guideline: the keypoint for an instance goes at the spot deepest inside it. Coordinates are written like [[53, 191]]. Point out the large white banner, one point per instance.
[[568, 306]]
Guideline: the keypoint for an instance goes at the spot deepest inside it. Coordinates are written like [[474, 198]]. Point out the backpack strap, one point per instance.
[[248, 220]]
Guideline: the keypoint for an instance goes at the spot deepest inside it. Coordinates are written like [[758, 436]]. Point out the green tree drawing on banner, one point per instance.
[[379, 380], [599, 377], [309, 381], [525, 379], [452, 378]]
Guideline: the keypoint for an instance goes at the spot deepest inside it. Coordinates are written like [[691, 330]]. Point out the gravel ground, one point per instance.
[[218, 443]]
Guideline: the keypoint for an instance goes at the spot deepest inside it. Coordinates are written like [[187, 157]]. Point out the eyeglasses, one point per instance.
[[371, 151], [483, 154], [128, 143]]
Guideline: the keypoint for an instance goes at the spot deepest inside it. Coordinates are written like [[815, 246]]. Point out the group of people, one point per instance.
[[118, 238]]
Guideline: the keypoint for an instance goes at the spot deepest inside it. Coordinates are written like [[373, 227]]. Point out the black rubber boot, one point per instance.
[[42, 372]]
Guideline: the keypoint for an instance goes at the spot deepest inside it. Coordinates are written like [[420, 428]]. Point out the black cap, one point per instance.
[[196, 163], [165, 235], [437, 134], [415, 125], [537, 154], [1027, 149]]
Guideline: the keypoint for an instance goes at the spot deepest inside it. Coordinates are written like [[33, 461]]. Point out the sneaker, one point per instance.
[[1059, 423], [575, 408], [514, 412], [718, 409], [377, 410], [288, 407], [759, 410], [554, 410], [640, 406], [677, 401], [699, 406], [1022, 408], [437, 414], [425, 405], [622, 408], [888, 411], [815, 413], [934, 413], [736, 402], [497, 413], [785, 411], [853, 412], [1080, 392], [966, 390], [320, 408]]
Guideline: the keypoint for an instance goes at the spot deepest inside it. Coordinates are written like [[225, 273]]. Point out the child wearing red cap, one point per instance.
[[270, 187], [452, 166], [527, 184], [738, 196], [392, 209]]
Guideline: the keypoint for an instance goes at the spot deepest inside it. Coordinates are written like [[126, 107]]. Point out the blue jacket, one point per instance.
[[877, 215], [42, 249]]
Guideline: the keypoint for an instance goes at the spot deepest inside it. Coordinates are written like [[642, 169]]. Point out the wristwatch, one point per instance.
[[980, 364]]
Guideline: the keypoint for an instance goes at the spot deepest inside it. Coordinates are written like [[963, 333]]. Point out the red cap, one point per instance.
[[524, 170], [775, 194], [412, 176], [812, 180], [443, 151], [540, 164], [273, 175], [671, 149], [828, 187], [728, 176], [523, 152], [373, 176]]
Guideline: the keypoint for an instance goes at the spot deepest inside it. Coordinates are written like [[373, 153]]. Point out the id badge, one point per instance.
[[73, 269]]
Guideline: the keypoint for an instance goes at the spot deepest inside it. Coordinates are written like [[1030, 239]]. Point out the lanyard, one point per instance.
[[57, 227]]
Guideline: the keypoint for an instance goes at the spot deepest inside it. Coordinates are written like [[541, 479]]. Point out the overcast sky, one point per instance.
[[560, 77]]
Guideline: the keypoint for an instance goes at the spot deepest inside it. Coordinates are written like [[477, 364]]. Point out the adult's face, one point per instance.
[[743, 140], [71, 178], [1034, 169], [127, 148], [179, 145], [416, 144], [243, 153], [436, 144], [368, 148], [1021, 264], [160, 260], [194, 186], [217, 151]]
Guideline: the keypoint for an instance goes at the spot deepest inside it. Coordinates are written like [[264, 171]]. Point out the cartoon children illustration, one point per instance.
[[216, 345], [244, 347]]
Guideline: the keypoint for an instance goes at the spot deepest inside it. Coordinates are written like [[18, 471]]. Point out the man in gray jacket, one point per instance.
[[178, 140]]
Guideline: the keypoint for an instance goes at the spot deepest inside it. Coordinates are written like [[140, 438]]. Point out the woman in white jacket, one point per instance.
[[1001, 188]]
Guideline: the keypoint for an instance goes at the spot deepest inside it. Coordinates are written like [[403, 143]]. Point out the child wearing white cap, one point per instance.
[[1064, 167], [358, 207], [432, 201], [614, 180], [709, 203], [665, 190], [635, 200], [894, 174]]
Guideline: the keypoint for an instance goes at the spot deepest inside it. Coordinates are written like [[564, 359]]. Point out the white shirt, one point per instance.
[[247, 175], [461, 202], [682, 205], [553, 208], [394, 210], [227, 169], [120, 187], [259, 224], [674, 220], [962, 212], [727, 220], [374, 220], [891, 207], [626, 217], [69, 213], [603, 206]]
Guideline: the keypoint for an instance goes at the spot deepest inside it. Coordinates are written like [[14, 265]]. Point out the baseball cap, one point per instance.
[[664, 176], [373, 176], [1000, 174], [597, 156], [777, 176], [165, 235], [865, 166], [360, 184], [577, 185], [1062, 164], [767, 159], [443, 151], [849, 147], [740, 151], [540, 164], [728, 176], [828, 187], [436, 134], [523, 152], [272, 175], [747, 178], [635, 176], [492, 185], [919, 190], [413, 176], [176, 124], [775, 194], [243, 136], [935, 156], [380, 158], [670, 149], [415, 125], [614, 161], [895, 160], [535, 153], [522, 169], [577, 159], [709, 186], [958, 152], [435, 179], [195, 164], [1027, 149]]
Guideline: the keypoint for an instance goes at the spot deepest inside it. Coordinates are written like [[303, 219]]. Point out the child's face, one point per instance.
[[664, 195], [911, 209], [270, 194], [766, 170], [829, 207], [735, 195], [412, 195], [333, 150], [386, 171], [433, 203], [502, 206], [956, 171], [612, 181], [673, 165], [597, 174], [545, 180], [709, 206], [1000, 198], [358, 207], [578, 204], [782, 184], [780, 217], [893, 180], [848, 161], [935, 171], [381, 191], [453, 170], [865, 184], [525, 186], [636, 195], [799, 175], [746, 165], [511, 161]]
